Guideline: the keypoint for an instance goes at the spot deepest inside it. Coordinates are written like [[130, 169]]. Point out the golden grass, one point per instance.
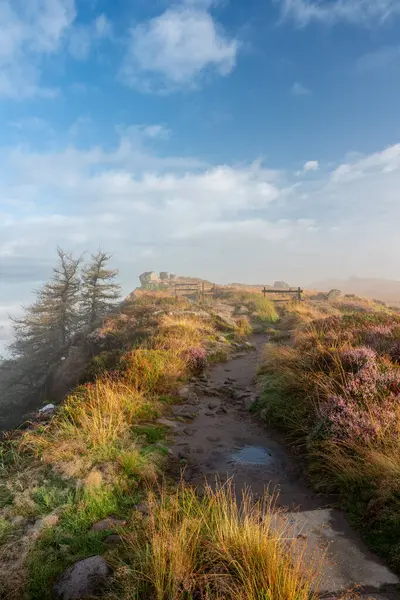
[[182, 332], [154, 370], [214, 547], [94, 422]]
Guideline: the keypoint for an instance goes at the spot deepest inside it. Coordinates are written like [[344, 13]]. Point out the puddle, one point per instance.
[[252, 455]]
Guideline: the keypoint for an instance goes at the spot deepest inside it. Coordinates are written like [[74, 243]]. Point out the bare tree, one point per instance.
[[99, 290]]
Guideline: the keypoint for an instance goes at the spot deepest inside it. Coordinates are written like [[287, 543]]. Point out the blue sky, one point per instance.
[[237, 140]]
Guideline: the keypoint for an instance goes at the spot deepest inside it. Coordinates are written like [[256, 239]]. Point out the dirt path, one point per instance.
[[224, 439]]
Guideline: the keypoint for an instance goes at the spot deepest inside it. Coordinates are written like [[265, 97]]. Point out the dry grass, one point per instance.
[[182, 332], [153, 370], [212, 547], [94, 424]]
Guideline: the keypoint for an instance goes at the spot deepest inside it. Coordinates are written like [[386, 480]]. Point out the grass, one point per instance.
[[103, 448], [94, 424], [5, 530], [71, 539], [262, 310], [334, 387], [214, 547]]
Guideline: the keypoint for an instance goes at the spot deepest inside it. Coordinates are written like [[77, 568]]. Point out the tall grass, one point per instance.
[[214, 547], [94, 423], [336, 387]]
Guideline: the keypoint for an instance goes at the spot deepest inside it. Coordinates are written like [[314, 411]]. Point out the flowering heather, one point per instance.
[[197, 358], [348, 420], [378, 337], [356, 359]]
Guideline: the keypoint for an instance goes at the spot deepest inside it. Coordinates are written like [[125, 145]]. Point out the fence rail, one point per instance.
[[200, 289]]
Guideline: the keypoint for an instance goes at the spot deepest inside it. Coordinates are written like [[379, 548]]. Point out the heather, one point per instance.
[[333, 383]]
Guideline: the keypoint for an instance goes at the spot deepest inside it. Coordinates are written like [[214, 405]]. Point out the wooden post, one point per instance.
[[176, 292], [264, 291], [299, 294]]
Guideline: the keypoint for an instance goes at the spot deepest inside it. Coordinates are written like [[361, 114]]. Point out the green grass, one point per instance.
[[48, 499], [71, 539], [6, 529], [6, 496], [55, 550], [152, 434]]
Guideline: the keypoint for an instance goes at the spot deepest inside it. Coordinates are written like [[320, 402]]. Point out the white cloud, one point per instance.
[[311, 165], [176, 49], [298, 89], [378, 163], [358, 12], [156, 131], [30, 31], [84, 37], [223, 222], [387, 55]]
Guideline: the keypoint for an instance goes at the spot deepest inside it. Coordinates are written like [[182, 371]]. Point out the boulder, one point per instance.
[[184, 392], [87, 577], [148, 277], [334, 295], [281, 285], [242, 310], [48, 409], [108, 524]]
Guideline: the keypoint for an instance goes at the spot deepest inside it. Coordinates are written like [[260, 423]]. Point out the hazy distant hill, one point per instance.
[[381, 289]]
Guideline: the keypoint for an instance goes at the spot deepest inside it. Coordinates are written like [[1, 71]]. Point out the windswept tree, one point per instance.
[[43, 334], [99, 289]]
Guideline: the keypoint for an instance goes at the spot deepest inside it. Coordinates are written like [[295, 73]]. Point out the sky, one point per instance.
[[236, 140]]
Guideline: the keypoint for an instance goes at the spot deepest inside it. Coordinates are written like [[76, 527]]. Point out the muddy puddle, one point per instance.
[[251, 455]]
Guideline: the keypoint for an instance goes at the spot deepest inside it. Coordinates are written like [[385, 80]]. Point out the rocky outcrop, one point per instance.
[[148, 277]]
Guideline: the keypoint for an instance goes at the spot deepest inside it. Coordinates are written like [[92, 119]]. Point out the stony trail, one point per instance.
[[221, 438]]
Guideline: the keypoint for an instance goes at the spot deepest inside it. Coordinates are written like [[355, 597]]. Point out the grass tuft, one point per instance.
[[214, 547]]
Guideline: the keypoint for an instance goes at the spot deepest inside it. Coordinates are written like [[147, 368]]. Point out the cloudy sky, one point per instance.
[[236, 140]]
